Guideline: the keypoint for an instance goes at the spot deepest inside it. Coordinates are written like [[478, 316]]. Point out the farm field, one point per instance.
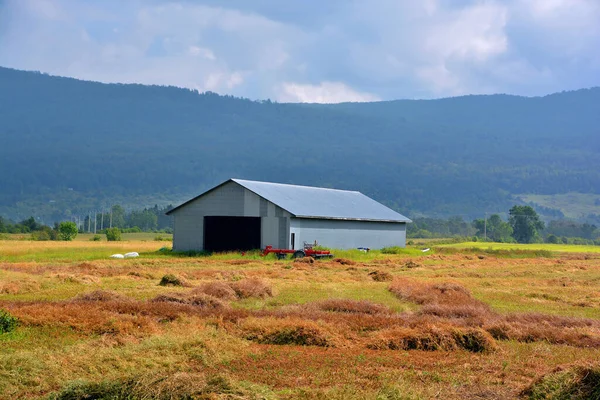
[[452, 323], [572, 205], [555, 248]]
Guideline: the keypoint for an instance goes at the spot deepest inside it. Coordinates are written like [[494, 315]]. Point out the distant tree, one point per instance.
[[525, 223], [118, 216], [29, 225], [146, 220], [67, 230], [551, 238], [494, 229], [2, 225], [113, 234]]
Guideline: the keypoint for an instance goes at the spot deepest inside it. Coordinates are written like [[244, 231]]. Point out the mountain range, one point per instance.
[[70, 146]]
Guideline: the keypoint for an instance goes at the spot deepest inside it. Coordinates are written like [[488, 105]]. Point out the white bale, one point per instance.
[[131, 255], [117, 256]]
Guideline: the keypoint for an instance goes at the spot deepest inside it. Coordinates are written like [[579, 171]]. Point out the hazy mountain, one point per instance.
[[68, 146]]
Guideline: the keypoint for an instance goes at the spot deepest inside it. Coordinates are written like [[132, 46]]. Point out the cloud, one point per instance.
[[325, 92], [340, 50]]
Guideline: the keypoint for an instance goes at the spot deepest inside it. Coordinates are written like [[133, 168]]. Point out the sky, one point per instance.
[[324, 51]]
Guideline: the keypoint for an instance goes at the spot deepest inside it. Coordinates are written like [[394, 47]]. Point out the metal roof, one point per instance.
[[315, 202]]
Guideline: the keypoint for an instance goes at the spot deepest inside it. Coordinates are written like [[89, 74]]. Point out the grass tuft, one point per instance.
[[570, 383], [8, 322], [171, 280]]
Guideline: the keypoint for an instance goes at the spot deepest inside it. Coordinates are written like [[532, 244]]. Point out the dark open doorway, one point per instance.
[[231, 233]]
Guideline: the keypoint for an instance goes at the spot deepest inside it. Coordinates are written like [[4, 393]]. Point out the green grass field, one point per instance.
[[572, 205], [457, 324], [557, 248]]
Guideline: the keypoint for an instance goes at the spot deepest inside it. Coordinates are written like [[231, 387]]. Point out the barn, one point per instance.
[[242, 215]]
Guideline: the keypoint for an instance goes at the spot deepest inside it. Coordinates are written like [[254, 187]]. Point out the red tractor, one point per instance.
[[308, 250]]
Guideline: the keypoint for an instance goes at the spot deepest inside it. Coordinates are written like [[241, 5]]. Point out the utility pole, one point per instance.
[[102, 221], [89, 222], [95, 221]]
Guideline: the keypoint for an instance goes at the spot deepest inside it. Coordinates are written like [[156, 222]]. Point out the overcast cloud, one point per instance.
[[312, 51]]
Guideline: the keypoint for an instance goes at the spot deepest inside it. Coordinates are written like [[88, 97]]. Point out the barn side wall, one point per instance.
[[340, 234], [229, 200]]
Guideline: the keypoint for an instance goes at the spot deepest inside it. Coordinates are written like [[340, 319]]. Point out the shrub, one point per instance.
[[552, 239], [170, 280], [67, 230], [40, 236], [113, 234], [96, 238], [8, 322]]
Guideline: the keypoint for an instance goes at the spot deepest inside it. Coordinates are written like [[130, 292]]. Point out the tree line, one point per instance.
[[522, 226], [151, 219]]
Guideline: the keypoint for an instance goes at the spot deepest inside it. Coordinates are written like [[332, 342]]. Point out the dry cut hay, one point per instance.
[[432, 338], [287, 331], [201, 300], [100, 295], [352, 306], [218, 289], [252, 287], [576, 382], [450, 302], [381, 276], [344, 261], [19, 286], [160, 386]]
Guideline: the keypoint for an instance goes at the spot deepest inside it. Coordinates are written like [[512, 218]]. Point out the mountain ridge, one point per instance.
[[461, 155]]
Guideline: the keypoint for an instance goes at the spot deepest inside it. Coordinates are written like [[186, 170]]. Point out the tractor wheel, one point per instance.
[[299, 254]]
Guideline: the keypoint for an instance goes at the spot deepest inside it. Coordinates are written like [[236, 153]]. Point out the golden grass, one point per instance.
[[462, 325]]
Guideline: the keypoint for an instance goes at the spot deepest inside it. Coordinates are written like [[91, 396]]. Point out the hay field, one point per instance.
[[418, 325]]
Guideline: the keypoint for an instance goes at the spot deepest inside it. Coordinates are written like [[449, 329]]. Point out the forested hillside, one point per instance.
[[68, 145]]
